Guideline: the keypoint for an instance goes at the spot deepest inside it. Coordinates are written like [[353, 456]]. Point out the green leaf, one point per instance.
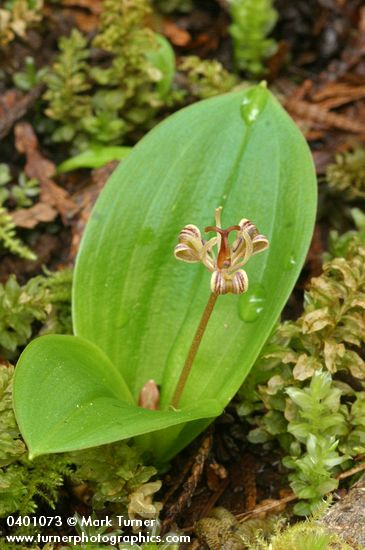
[[95, 157], [68, 395], [134, 301], [147, 304], [137, 302]]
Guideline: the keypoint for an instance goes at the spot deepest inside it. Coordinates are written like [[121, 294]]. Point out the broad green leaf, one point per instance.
[[68, 395], [140, 305], [95, 157]]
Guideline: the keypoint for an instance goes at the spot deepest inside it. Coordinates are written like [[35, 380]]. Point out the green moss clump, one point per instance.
[[8, 238], [98, 103], [303, 536], [206, 78], [221, 529], [14, 195], [43, 299], [67, 85], [57, 287], [347, 174], [306, 391], [16, 17], [11, 446], [112, 473], [20, 307], [252, 21]]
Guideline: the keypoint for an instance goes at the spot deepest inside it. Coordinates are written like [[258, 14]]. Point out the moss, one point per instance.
[[104, 102], [8, 238], [43, 299], [252, 21], [206, 78], [221, 529], [302, 536], [67, 85], [113, 473], [306, 391], [347, 174], [16, 17]]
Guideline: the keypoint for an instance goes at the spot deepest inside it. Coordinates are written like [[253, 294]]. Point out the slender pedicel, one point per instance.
[[193, 350], [224, 254]]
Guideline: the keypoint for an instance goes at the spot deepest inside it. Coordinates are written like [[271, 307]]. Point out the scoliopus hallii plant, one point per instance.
[[143, 361]]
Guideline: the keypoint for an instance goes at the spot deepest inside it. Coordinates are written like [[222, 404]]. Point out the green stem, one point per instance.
[[193, 350]]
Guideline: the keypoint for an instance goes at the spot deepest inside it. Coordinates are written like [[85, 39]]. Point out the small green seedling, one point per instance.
[[141, 364], [94, 157]]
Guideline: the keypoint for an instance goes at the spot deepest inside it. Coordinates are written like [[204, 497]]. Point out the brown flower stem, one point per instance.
[[193, 350]]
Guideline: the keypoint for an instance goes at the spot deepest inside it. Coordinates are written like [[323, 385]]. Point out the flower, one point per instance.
[[225, 265]]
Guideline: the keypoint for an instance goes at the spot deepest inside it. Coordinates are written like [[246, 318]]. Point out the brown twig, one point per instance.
[[316, 113], [285, 500], [351, 472], [191, 483], [290, 498], [214, 498]]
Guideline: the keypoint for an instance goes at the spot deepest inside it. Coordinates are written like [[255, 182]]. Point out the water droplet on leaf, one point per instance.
[[252, 303], [253, 103], [290, 262]]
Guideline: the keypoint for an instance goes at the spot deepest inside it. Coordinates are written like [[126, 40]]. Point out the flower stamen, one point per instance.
[[224, 259]]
